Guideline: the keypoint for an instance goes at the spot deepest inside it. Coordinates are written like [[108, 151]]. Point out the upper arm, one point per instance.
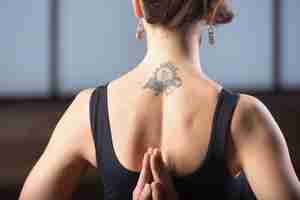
[[60, 166], [262, 151]]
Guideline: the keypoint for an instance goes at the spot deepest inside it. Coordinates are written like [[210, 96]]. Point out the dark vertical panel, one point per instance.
[[290, 30], [277, 19], [54, 47]]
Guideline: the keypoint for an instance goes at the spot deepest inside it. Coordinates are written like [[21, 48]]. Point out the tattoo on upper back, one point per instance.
[[164, 79]]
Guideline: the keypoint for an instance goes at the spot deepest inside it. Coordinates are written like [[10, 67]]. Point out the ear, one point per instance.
[[137, 8]]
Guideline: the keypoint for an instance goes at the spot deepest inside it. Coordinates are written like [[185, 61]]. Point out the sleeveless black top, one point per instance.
[[211, 180]]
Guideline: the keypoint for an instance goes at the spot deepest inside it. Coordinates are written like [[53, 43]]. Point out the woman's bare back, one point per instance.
[[179, 123]]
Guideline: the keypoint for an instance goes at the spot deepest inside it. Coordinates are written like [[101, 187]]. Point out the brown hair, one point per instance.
[[174, 13]]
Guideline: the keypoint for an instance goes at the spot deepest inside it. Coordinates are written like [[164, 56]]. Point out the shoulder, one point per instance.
[[262, 151], [64, 153], [250, 113], [83, 96], [74, 126], [254, 127], [80, 108], [80, 103]]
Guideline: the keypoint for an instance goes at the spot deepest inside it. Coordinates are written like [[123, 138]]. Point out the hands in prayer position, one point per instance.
[[155, 182]]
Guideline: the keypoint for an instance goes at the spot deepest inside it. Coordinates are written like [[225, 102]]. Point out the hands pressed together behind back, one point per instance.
[[155, 182]]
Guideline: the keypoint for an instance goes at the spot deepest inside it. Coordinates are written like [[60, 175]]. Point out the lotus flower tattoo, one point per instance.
[[165, 79]]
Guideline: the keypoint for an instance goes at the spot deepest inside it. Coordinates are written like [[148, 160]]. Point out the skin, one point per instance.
[[158, 111], [164, 80], [154, 181]]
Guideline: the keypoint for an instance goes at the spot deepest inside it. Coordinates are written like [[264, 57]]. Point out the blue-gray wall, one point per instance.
[[243, 53], [97, 44], [24, 47]]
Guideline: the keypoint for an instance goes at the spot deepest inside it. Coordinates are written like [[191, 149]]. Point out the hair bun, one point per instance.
[[164, 11], [155, 10]]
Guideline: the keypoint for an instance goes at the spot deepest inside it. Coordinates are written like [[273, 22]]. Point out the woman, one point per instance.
[[167, 102]]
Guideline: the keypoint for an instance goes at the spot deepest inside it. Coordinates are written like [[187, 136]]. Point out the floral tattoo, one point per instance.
[[164, 79]]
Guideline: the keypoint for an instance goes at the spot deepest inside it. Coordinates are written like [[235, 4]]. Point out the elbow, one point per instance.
[[296, 192]]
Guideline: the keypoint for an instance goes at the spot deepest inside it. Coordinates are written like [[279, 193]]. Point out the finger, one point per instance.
[[162, 175], [149, 166], [146, 193], [142, 178], [145, 175], [158, 168], [155, 168], [165, 172], [157, 191]]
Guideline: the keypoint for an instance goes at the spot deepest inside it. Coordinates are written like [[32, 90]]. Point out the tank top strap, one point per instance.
[[225, 111], [97, 120]]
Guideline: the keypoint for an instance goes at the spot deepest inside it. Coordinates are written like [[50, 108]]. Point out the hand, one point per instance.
[[145, 179], [162, 186], [155, 181]]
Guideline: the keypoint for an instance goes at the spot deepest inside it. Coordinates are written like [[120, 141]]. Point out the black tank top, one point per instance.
[[211, 180]]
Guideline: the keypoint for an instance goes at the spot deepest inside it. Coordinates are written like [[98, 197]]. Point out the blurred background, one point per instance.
[[52, 49]]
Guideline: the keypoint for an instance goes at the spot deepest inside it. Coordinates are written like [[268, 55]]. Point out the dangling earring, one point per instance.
[[140, 32], [211, 31], [211, 35], [211, 28]]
